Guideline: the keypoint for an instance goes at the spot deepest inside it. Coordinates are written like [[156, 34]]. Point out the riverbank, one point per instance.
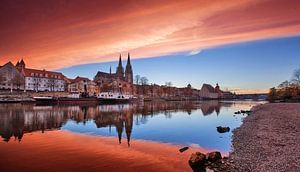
[[268, 139]]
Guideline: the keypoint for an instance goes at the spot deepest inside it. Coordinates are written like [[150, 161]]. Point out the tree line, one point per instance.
[[287, 91]]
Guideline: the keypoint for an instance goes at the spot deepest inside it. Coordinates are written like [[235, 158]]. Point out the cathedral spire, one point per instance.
[[120, 69], [128, 71], [128, 59], [120, 61]]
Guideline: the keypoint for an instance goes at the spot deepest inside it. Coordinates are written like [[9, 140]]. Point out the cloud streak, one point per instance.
[[56, 34]]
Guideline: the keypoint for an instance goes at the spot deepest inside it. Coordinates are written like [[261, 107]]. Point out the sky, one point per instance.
[[203, 40]]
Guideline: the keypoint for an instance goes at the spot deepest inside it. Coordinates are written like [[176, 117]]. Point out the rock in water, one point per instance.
[[183, 149], [214, 156], [197, 161], [223, 129]]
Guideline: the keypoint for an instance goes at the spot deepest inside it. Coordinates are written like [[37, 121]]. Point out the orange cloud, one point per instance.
[[57, 34]]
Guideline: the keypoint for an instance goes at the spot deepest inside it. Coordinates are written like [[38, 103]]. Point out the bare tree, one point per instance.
[[296, 77], [144, 80], [36, 84], [144, 83], [52, 83], [18, 81], [137, 79], [2, 78], [284, 84], [169, 85]]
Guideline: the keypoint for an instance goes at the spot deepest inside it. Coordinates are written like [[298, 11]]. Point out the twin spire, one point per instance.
[[128, 70], [128, 60], [21, 64]]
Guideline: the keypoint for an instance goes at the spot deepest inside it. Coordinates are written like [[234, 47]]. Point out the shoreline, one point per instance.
[[268, 139]]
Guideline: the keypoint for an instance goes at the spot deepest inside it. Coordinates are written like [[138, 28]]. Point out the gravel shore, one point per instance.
[[268, 140]]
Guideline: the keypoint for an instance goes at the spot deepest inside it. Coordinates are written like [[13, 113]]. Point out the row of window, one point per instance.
[[45, 85], [45, 75], [45, 80]]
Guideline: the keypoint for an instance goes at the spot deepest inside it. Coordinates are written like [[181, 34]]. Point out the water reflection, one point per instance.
[[17, 119], [185, 124]]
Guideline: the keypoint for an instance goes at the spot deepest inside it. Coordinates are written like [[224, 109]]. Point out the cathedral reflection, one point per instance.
[[17, 119]]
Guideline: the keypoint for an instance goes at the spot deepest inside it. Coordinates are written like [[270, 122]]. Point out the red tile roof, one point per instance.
[[42, 73]]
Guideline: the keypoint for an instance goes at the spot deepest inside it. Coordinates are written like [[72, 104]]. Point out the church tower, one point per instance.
[[128, 71], [120, 69], [21, 64]]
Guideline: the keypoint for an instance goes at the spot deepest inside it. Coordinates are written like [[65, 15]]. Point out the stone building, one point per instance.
[[82, 85], [209, 92], [11, 78], [119, 81]]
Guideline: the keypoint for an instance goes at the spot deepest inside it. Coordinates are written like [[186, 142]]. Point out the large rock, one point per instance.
[[221, 129], [183, 149], [197, 161], [214, 156]]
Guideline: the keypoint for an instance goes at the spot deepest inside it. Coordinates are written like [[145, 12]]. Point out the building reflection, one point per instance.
[[17, 119]]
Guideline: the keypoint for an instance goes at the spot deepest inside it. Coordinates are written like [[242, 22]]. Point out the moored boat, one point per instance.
[[45, 100], [111, 97]]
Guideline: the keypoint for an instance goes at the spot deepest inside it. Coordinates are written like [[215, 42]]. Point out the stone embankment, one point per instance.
[[21, 96]]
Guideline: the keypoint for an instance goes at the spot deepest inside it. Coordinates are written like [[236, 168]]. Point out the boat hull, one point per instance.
[[78, 101], [43, 101], [113, 101]]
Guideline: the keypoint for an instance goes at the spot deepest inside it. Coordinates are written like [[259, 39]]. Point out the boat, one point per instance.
[[111, 97], [45, 100], [77, 99]]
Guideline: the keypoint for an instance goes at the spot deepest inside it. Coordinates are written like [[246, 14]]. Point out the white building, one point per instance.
[[42, 80]]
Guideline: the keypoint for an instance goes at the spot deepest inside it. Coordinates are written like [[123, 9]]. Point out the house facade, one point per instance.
[[82, 85], [11, 78]]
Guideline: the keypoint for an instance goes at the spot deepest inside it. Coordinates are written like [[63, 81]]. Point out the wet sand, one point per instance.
[[66, 151], [269, 139]]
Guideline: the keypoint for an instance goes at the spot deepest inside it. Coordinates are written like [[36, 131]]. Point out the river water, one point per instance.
[[122, 137]]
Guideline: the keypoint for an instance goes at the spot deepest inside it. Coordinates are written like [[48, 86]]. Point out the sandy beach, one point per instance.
[[269, 139]]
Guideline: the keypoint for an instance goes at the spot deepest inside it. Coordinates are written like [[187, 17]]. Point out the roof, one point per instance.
[[42, 73], [78, 79], [106, 75], [208, 87], [8, 64]]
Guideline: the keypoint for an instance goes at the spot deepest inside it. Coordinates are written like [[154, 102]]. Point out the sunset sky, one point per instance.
[[246, 45]]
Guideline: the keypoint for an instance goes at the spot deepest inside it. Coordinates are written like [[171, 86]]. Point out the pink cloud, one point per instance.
[[57, 34]]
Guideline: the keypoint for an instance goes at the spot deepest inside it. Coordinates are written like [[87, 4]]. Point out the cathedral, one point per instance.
[[120, 76]]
